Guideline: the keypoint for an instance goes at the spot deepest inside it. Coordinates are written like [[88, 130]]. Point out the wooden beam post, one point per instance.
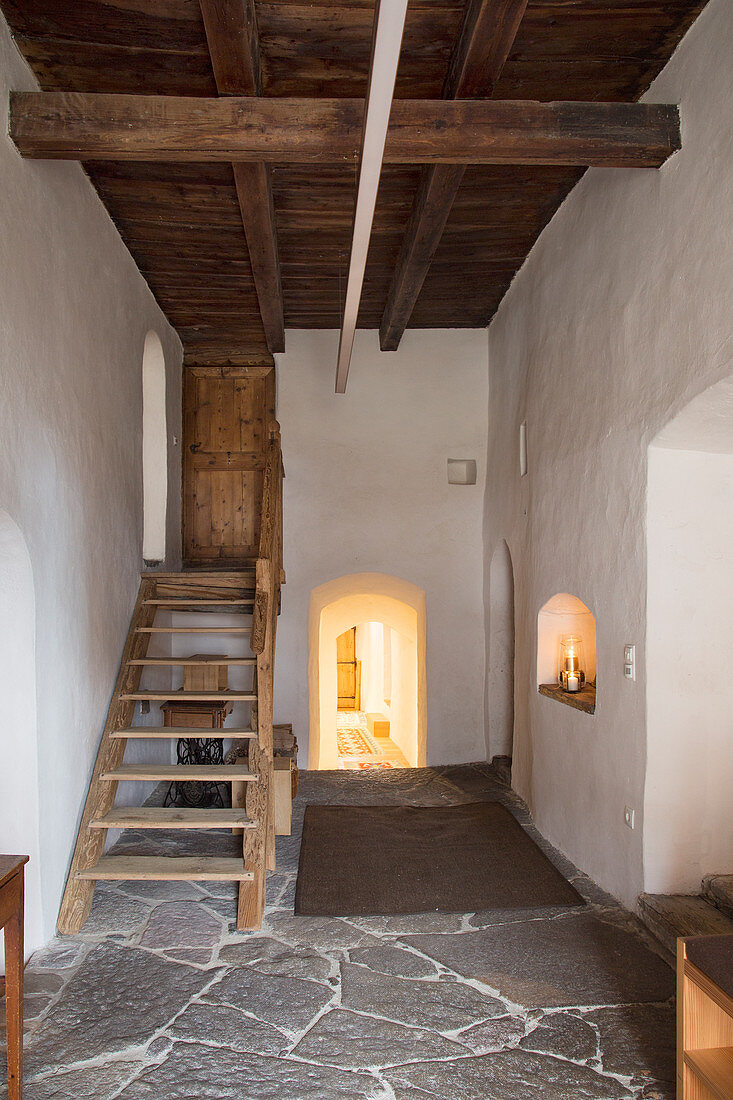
[[488, 31], [231, 31]]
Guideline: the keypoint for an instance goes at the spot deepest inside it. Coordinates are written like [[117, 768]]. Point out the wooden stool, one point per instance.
[[11, 919]]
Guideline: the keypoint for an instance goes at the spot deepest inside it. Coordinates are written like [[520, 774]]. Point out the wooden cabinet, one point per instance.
[[195, 716], [11, 919], [705, 1018]]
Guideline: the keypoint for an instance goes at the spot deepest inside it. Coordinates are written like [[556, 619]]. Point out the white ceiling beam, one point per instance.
[[389, 25]]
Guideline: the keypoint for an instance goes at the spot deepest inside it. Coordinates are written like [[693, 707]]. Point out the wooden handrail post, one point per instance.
[[259, 843], [261, 610]]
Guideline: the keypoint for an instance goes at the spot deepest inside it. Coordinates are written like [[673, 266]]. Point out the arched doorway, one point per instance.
[[500, 678], [689, 696], [155, 450], [368, 602], [19, 822]]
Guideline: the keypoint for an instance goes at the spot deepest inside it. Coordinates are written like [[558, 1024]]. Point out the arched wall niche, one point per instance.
[[689, 688], [19, 823], [155, 450], [337, 606], [500, 673], [564, 614]]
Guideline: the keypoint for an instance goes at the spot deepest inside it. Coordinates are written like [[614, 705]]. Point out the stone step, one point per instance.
[[502, 766], [668, 916], [718, 890]]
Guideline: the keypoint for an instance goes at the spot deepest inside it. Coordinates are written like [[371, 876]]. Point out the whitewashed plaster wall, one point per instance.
[[366, 490], [688, 823], [620, 315], [74, 313]]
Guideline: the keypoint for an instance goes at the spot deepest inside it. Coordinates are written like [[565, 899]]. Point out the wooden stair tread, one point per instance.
[[180, 731], [209, 773], [194, 601], [203, 578], [714, 1067], [193, 629], [172, 817], [228, 696], [208, 660], [172, 868]]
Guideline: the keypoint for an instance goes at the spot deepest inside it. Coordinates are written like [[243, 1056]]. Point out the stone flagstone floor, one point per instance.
[[160, 997]]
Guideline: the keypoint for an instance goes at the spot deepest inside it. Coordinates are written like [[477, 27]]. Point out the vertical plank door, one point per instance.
[[348, 671], [227, 411]]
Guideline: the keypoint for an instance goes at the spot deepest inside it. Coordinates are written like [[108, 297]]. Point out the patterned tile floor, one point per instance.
[[159, 997], [353, 735]]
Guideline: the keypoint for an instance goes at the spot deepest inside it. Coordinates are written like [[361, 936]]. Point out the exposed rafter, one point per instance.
[[489, 29], [231, 32], [81, 126]]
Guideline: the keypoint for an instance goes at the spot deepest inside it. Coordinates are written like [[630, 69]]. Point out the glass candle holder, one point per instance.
[[571, 676]]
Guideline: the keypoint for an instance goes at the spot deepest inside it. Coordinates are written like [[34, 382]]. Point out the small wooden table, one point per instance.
[[11, 919]]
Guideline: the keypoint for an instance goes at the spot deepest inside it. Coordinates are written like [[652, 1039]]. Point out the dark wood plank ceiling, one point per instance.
[[183, 223]]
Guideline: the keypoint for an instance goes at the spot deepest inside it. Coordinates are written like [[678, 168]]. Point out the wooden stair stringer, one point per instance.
[[79, 893], [259, 844]]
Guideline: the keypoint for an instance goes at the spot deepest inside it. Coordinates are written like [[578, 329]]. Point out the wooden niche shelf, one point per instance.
[[584, 700], [705, 1018]]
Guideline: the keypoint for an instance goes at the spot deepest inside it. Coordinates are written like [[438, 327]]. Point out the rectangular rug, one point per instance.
[[351, 742], [360, 860]]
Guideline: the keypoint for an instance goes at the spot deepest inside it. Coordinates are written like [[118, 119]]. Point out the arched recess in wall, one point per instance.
[[561, 616], [155, 450], [19, 823], [501, 653], [689, 687], [334, 608]]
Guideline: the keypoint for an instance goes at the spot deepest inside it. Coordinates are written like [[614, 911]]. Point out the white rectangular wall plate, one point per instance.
[[630, 662], [461, 471]]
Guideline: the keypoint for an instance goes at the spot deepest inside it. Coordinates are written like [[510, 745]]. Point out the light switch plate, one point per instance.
[[630, 661]]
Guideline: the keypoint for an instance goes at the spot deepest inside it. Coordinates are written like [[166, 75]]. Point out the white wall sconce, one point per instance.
[[461, 471]]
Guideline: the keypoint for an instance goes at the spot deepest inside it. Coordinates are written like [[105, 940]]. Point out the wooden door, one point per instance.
[[349, 671], [227, 411]]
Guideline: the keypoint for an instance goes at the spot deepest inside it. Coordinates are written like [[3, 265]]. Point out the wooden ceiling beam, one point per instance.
[[488, 31], [86, 126], [231, 32]]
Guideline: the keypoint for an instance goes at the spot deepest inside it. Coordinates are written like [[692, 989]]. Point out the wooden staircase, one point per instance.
[[254, 594]]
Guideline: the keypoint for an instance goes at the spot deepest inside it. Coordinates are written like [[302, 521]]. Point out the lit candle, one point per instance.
[[573, 682]]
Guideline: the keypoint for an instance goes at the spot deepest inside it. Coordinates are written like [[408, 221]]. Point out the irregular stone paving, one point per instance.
[[160, 997]]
